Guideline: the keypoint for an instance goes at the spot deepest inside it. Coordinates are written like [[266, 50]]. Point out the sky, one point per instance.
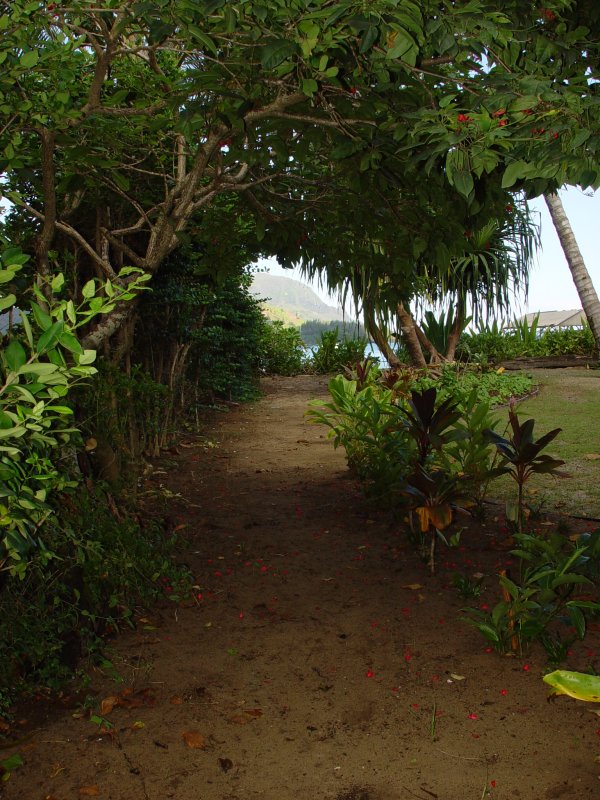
[[551, 286]]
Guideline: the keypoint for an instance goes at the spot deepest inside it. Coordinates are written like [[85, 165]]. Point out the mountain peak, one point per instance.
[[292, 299]]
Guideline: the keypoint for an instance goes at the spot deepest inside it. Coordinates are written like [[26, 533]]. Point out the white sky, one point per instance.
[[551, 287]]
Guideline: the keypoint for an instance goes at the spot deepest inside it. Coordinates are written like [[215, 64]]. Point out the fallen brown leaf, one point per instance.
[[89, 791], [176, 700], [194, 739], [412, 586], [239, 719], [108, 704], [253, 712]]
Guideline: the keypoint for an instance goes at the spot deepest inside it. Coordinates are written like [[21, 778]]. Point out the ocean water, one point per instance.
[[371, 350]]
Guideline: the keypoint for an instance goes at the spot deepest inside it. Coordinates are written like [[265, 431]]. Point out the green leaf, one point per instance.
[[463, 181], [580, 137], [7, 765], [38, 368], [50, 337], [277, 52], [15, 432], [309, 86], [70, 311], [87, 357], [58, 281], [43, 320], [204, 40], [15, 356], [89, 289], [369, 38], [7, 302], [514, 171], [70, 342], [29, 59]]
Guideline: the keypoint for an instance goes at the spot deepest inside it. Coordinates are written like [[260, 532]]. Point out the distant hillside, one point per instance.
[[291, 301]]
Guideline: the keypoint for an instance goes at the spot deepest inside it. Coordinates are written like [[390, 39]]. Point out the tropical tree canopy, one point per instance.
[[389, 128]]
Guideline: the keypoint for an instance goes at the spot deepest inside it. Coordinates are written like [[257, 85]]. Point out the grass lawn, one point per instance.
[[568, 399]]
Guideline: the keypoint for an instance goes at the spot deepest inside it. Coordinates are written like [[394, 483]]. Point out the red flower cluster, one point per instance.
[[464, 118]]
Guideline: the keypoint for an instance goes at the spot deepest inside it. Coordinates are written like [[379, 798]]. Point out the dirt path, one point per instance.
[[319, 660]]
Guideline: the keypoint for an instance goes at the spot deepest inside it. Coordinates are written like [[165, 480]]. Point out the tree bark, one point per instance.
[[381, 341], [411, 339], [435, 356], [581, 277], [457, 329]]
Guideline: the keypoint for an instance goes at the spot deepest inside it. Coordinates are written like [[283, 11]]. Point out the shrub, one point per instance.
[[332, 354], [61, 610], [282, 350]]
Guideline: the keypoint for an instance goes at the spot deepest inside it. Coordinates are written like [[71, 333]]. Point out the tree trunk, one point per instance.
[[381, 340], [410, 336], [434, 356], [455, 332], [581, 277]]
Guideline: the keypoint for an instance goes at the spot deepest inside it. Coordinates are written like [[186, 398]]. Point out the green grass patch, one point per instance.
[[567, 399]]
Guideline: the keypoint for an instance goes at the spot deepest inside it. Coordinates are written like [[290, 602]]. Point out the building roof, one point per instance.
[[556, 319]]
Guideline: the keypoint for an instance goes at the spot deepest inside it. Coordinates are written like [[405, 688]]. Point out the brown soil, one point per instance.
[[321, 661]]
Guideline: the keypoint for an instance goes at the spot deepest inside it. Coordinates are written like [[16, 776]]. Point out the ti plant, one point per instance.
[[431, 427], [522, 457], [434, 494]]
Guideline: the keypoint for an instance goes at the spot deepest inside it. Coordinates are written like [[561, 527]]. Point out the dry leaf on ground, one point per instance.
[[108, 704], [89, 791], [194, 739]]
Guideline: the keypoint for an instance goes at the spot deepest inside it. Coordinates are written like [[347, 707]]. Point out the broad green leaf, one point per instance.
[[38, 369], [514, 171], [58, 281], [309, 86], [580, 137], [29, 59], [89, 289], [15, 355], [70, 342], [43, 319], [463, 181], [277, 52], [50, 337], [87, 357], [7, 302], [16, 432]]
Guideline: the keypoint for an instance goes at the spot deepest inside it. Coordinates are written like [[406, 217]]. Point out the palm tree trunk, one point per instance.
[[381, 340], [410, 337], [457, 328], [581, 277]]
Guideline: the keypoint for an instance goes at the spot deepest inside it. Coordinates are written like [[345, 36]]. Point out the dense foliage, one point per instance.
[[61, 610], [493, 344], [181, 140]]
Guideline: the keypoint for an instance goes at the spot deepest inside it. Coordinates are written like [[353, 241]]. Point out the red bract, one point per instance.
[[369, 673], [473, 716], [464, 118]]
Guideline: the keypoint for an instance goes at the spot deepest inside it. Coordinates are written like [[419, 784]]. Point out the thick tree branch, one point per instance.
[[46, 235]]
